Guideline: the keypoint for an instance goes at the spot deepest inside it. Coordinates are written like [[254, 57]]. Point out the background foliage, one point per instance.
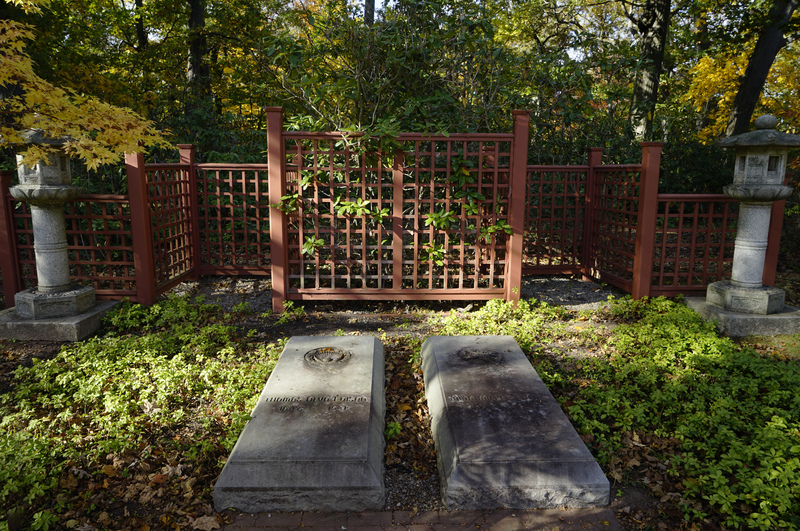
[[422, 65]]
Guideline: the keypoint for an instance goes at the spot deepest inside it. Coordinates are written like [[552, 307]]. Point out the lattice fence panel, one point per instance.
[[695, 239], [99, 244], [615, 220], [233, 218], [170, 214], [23, 232], [455, 203], [427, 218], [554, 218], [340, 233]]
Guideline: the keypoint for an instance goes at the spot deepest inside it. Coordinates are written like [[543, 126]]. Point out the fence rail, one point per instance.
[[435, 217]]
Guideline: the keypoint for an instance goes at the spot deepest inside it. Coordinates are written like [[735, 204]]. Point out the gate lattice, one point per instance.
[[436, 217], [430, 220]]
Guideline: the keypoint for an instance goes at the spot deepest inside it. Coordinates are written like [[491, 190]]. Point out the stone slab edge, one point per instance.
[[326, 498], [72, 328], [735, 324], [459, 492]]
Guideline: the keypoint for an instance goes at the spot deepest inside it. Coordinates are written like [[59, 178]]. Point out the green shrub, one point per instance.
[[529, 322], [737, 414], [175, 311]]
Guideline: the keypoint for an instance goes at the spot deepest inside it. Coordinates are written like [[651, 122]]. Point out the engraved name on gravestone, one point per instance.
[[315, 438], [501, 438]]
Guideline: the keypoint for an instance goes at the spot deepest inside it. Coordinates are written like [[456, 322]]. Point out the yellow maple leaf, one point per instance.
[[93, 130]]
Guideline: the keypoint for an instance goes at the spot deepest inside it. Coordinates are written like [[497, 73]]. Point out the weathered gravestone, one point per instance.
[[315, 438], [501, 438]]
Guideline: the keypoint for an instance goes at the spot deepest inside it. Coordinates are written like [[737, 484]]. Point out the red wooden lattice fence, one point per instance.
[[420, 236], [437, 217]]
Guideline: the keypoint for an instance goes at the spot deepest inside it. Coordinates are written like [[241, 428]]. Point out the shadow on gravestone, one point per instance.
[[501, 438]]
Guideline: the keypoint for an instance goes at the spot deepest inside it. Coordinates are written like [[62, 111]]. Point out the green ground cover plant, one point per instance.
[[175, 377], [720, 422], [708, 425]]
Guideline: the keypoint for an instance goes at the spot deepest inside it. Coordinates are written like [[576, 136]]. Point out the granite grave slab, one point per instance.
[[315, 438], [501, 438]]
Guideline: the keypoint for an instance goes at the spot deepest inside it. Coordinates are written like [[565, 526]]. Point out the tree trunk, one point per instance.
[[369, 12], [653, 26], [197, 73], [141, 34], [770, 41]]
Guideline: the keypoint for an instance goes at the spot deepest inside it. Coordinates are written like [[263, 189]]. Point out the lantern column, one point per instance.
[[55, 309]]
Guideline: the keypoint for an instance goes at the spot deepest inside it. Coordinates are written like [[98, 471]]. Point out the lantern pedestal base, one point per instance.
[[737, 324], [70, 328], [765, 300], [32, 304]]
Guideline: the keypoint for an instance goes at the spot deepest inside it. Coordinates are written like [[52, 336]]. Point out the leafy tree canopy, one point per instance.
[[93, 129], [205, 71]]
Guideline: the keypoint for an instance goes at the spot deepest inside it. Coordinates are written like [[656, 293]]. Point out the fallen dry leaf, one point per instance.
[[205, 523], [69, 482], [148, 494], [159, 478], [133, 491], [188, 485], [80, 473]]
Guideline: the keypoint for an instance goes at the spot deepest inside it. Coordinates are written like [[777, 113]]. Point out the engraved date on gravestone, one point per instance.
[[335, 407], [300, 403], [488, 398]]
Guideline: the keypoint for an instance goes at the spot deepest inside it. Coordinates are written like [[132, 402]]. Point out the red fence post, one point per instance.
[[647, 215], [519, 180], [278, 234], [141, 229], [187, 156], [9, 263], [587, 254], [774, 241]]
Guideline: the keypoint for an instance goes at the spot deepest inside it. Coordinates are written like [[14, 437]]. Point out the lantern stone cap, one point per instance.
[[765, 135], [38, 136]]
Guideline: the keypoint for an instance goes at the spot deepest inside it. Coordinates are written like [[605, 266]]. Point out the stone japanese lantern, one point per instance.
[[743, 305], [56, 309]]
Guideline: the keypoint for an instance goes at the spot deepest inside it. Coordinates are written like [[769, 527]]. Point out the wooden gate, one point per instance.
[[432, 218]]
